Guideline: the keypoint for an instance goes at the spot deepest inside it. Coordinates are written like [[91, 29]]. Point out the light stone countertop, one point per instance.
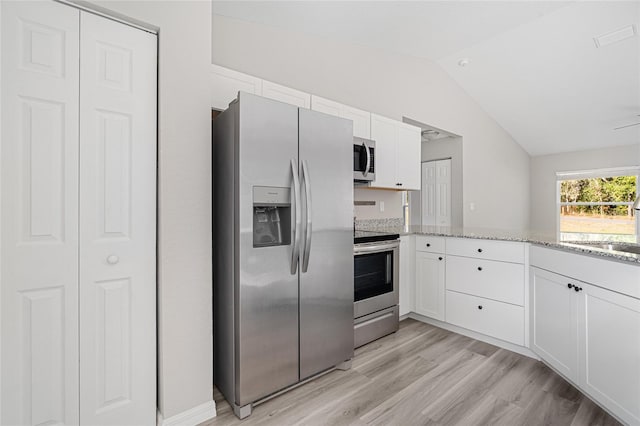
[[542, 239]]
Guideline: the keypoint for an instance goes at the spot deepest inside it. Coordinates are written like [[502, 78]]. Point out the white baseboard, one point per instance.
[[191, 417], [474, 335]]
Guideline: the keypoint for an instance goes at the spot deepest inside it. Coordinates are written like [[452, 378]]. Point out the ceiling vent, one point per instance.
[[615, 36]]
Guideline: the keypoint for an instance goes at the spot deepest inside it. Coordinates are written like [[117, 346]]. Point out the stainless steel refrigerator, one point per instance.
[[283, 247]]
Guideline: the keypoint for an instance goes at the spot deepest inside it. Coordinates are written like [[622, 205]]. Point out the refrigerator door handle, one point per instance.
[[368, 165], [295, 251], [308, 231]]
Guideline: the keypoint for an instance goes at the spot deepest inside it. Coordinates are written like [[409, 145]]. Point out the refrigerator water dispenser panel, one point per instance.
[[271, 216]]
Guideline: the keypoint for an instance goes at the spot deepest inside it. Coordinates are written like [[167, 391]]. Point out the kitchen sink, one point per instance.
[[626, 248]]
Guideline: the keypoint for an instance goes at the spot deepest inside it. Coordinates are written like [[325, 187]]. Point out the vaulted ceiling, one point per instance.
[[534, 66]]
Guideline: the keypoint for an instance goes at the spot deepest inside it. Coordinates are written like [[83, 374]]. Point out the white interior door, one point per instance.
[[428, 198], [39, 200], [117, 223], [443, 192]]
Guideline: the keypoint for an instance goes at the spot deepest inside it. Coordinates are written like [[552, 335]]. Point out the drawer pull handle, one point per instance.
[[428, 245], [570, 285], [480, 307], [439, 258], [479, 250], [479, 268]]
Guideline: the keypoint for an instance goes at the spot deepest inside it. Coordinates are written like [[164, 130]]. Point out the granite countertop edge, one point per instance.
[[541, 239]]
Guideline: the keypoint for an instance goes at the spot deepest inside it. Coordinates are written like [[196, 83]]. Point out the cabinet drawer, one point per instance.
[[496, 319], [430, 244], [506, 251], [486, 278]]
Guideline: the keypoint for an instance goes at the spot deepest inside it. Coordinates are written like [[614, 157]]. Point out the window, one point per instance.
[[598, 202]]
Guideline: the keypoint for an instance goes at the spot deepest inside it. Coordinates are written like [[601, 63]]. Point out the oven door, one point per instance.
[[375, 277]]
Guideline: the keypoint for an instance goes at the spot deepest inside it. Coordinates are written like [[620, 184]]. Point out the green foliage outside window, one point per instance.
[[599, 190]]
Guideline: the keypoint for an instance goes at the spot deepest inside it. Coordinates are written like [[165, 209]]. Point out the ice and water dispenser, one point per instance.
[[271, 216]]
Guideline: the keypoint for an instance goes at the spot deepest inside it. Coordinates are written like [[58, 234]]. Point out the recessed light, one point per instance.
[[615, 36], [463, 62]]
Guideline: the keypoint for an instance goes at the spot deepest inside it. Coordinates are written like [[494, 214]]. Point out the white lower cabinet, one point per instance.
[[609, 349], [503, 321], [592, 336], [430, 284], [554, 321], [486, 286]]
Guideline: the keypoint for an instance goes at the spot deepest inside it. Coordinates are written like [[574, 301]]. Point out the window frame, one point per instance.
[[590, 174]]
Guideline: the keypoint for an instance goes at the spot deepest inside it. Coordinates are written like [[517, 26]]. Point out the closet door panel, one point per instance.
[[39, 204], [118, 223]]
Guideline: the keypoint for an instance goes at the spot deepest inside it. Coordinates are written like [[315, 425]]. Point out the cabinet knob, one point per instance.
[[428, 245], [480, 307], [479, 268], [439, 258], [479, 250], [570, 285], [576, 288], [112, 259]]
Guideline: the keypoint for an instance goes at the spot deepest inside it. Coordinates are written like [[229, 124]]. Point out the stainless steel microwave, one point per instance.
[[364, 160]]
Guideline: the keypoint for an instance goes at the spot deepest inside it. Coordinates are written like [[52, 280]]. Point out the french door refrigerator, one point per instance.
[[283, 247]]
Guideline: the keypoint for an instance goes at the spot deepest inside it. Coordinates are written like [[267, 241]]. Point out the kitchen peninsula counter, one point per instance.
[[538, 238]]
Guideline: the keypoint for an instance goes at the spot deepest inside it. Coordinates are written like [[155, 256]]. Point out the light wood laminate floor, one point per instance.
[[424, 375]]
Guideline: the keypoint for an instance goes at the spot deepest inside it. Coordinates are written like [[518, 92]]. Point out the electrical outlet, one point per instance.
[[381, 206], [472, 206]]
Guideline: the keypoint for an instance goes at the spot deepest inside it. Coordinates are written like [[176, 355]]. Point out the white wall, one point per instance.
[[543, 177], [184, 216], [495, 167], [392, 203]]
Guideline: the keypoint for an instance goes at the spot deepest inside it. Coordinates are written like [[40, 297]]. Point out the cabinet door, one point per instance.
[[385, 132], [408, 156], [117, 223], [554, 324], [285, 94], [430, 284], [39, 244], [226, 83], [361, 121], [610, 350], [443, 192], [326, 106], [407, 274]]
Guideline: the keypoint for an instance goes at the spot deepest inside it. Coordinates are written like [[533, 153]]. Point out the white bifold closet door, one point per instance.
[[78, 173], [117, 223]]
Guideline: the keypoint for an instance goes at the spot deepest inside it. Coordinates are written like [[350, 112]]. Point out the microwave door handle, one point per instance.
[[366, 167], [295, 251], [308, 231]]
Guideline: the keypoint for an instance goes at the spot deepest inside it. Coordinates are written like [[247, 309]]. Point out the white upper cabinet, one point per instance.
[[398, 153], [409, 155], [285, 94], [226, 83], [385, 132], [361, 119]]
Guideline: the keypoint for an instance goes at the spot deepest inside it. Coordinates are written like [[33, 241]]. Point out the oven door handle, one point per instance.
[[375, 248]]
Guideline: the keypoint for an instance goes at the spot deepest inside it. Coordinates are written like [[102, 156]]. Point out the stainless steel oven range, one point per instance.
[[375, 285]]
